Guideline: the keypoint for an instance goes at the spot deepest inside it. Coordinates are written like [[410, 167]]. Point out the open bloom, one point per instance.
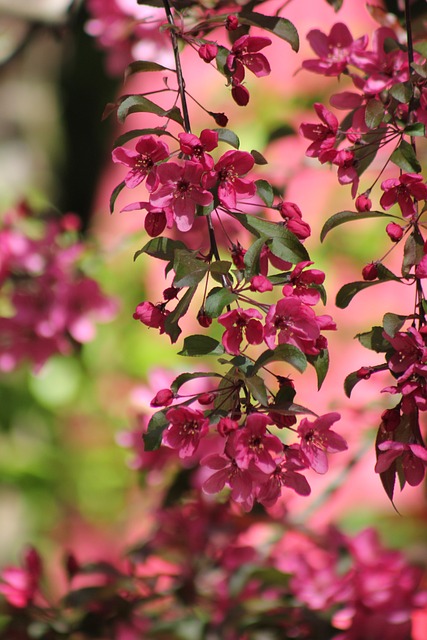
[[235, 322], [334, 51], [403, 190], [323, 135], [412, 456], [317, 439], [187, 427], [244, 53], [231, 168], [142, 162], [254, 446]]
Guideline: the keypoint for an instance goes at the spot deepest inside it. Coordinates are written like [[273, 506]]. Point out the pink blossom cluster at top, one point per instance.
[[50, 303], [200, 556]]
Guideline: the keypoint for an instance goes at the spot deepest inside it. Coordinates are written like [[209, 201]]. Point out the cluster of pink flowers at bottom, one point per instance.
[[200, 555], [52, 304]]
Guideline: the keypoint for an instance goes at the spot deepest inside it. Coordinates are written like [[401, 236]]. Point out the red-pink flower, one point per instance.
[[20, 585], [244, 53], [363, 203], [208, 51], [334, 51], [403, 190], [151, 315], [317, 439], [180, 188], [254, 446], [237, 321], [413, 458], [187, 427], [156, 219], [230, 168], [303, 283], [323, 135], [142, 162], [294, 322], [197, 147], [409, 347], [292, 220]]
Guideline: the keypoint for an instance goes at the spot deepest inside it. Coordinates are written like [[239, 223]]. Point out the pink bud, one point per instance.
[[163, 398], [170, 293], [220, 118], [370, 272], [240, 95], [208, 52], [204, 320], [226, 426], [206, 398], [364, 373], [232, 23], [391, 419], [394, 231], [363, 203], [155, 223], [261, 284]]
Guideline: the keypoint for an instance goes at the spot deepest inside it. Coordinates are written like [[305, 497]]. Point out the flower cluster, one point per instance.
[[50, 304]]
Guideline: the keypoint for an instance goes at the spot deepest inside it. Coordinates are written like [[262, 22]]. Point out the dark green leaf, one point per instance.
[[258, 157], [186, 377], [279, 132], [386, 274], [251, 258], [136, 133], [402, 92], [279, 26], [421, 69], [393, 323], [228, 136], [336, 4], [188, 270], [348, 216], [200, 345], [405, 158], [413, 251], [265, 192], [217, 299], [321, 365], [291, 409], [115, 193], [139, 66], [242, 363], [256, 386], [161, 248], [138, 103], [374, 340], [374, 113], [350, 382], [365, 153], [153, 437], [229, 392], [171, 323], [348, 291], [283, 353], [286, 249], [421, 47], [221, 267], [416, 129], [221, 60]]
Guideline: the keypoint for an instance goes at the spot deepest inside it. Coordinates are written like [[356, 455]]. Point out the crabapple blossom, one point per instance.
[[317, 439], [149, 150], [235, 322], [254, 446], [323, 135], [413, 458], [335, 51], [404, 190], [187, 427], [230, 168]]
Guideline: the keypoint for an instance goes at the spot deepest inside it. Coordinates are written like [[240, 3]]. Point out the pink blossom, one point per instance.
[[151, 315], [227, 472], [334, 51], [187, 427], [346, 163], [363, 203], [244, 53], [402, 190], [394, 232], [197, 147], [142, 162], [303, 283], [292, 220], [230, 168], [180, 188], [261, 283], [413, 458], [254, 446], [208, 51], [409, 347], [294, 322], [323, 135], [20, 585], [235, 322], [412, 384], [317, 439]]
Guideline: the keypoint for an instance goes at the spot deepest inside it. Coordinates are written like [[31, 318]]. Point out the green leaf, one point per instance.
[[217, 299], [413, 251], [283, 353], [221, 60], [251, 258], [228, 136], [291, 409], [374, 340], [286, 250], [228, 397], [136, 133], [220, 267], [115, 194], [416, 129], [348, 291], [153, 437], [161, 248], [402, 92], [405, 158], [374, 113], [138, 103], [265, 192], [350, 382], [256, 386], [392, 323], [172, 328], [386, 274], [421, 47], [186, 377], [258, 157], [321, 365], [139, 66], [279, 26], [336, 4], [348, 216], [365, 153], [188, 270], [200, 345]]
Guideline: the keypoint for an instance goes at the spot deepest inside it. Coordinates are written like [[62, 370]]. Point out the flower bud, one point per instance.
[[394, 231], [370, 272], [363, 202], [220, 118], [231, 23], [206, 398], [226, 426], [170, 293], [208, 52], [204, 320], [163, 398], [364, 373]]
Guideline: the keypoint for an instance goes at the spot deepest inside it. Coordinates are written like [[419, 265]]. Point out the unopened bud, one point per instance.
[[394, 231], [163, 398], [370, 272], [206, 398], [204, 320], [363, 203], [231, 23]]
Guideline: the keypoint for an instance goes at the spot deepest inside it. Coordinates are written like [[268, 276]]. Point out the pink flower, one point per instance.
[[187, 427], [254, 446], [295, 323], [409, 347], [231, 167], [142, 162], [402, 190], [180, 188], [208, 51], [346, 163], [197, 147], [235, 322], [293, 221], [413, 458], [244, 53], [156, 219], [317, 439], [20, 585], [227, 472], [363, 203], [323, 135], [151, 315], [286, 474], [303, 283], [334, 51]]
